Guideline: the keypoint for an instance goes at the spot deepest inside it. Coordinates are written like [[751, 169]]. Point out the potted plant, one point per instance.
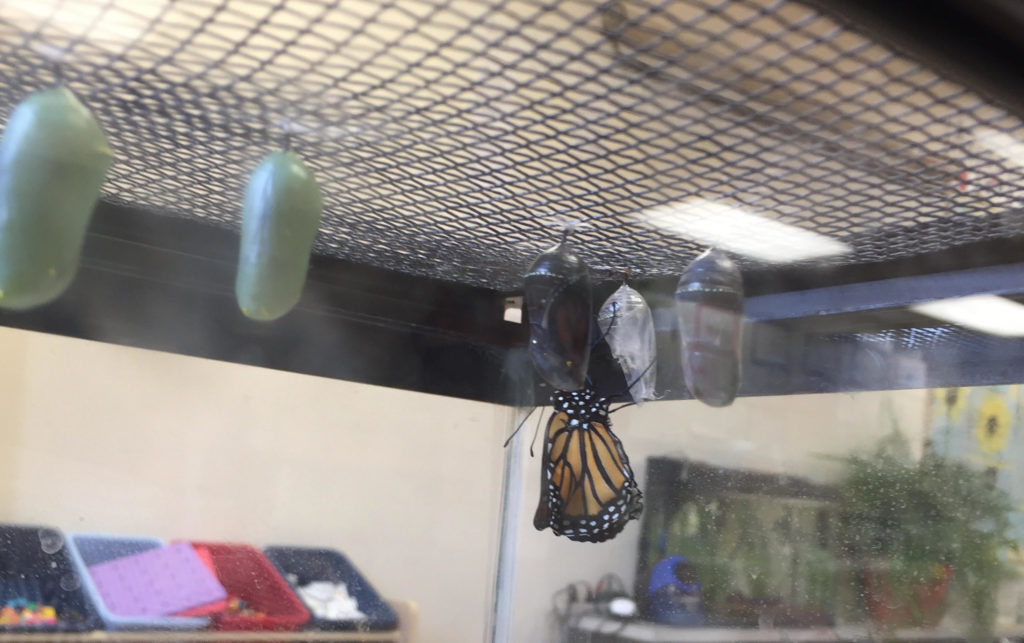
[[914, 528]]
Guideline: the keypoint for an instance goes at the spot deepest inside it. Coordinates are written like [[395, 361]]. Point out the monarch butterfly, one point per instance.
[[588, 492]]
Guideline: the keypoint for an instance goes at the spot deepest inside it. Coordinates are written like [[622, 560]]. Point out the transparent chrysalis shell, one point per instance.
[[625, 322]]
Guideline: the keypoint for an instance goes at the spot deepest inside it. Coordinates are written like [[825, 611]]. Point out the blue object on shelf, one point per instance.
[[35, 564], [665, 574], [92, 549], [668, 607], [671, 600], [301, 566]]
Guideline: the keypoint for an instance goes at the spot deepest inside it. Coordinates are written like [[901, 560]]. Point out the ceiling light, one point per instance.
[[1001, 144], [985, 313], [97, 23], [751, 235]]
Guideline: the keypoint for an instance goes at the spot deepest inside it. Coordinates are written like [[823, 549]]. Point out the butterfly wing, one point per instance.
[[588, 492], [548, 489]]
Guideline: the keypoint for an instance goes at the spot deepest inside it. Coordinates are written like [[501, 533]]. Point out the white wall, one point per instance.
[[95, 437], [775, 434]]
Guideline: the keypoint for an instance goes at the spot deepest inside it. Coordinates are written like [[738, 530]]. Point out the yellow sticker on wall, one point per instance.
[[992, 429]]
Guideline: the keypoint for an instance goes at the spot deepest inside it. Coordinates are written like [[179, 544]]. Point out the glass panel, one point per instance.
[[844, 204], [890, 512]]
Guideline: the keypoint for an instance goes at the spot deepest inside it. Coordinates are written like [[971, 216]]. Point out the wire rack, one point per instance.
[[454, 139]]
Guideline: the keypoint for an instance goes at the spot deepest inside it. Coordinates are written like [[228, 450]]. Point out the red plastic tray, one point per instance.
[[246, 573]]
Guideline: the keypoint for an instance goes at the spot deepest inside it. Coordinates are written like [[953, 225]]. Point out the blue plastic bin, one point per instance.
[[92, 549], [306, 565], [35, 564]]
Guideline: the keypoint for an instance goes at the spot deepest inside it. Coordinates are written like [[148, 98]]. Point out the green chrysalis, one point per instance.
[[280, 218], [53, 159]]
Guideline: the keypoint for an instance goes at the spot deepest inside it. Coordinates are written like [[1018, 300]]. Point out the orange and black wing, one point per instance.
[[588, 492]]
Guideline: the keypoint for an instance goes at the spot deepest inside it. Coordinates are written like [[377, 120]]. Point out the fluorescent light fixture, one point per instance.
[[729, 228], [985, 313], [1001, 144]]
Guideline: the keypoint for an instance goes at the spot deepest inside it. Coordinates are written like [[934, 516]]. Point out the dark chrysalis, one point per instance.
[[558, 303], [709, 307]]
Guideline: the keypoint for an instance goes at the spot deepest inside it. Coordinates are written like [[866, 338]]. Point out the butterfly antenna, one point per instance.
[[535, 432], [509, 439], [619, 408]]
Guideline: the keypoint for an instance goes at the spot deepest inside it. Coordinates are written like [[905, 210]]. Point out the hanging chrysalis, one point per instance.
[[280, 218], [709, 306], [53, 160], [558, 303], [625, 322]]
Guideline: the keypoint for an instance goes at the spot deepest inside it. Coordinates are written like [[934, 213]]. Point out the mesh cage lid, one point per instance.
[[455, 139]]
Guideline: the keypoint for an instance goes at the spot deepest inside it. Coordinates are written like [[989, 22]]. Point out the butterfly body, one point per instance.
[[588, 492]]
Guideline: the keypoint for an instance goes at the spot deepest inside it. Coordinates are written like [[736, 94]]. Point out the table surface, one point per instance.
[[603, 628]]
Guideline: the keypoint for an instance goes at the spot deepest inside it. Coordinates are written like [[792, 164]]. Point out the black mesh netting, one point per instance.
[[454, 139]]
